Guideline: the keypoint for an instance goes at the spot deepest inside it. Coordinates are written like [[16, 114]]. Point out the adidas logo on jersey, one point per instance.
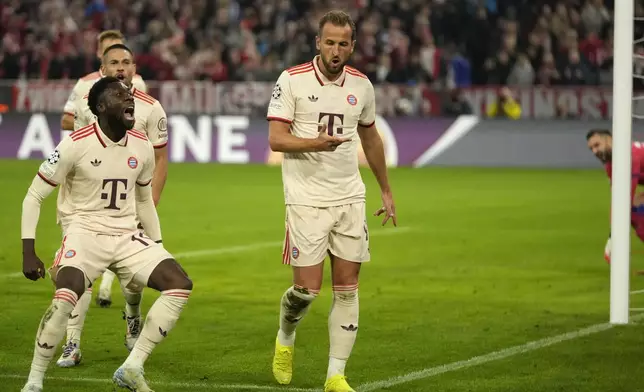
[[313, 98], [96, 162]]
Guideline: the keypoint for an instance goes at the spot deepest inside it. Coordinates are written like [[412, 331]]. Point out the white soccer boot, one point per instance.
[[71, 355], [133, 330], [131, 378]]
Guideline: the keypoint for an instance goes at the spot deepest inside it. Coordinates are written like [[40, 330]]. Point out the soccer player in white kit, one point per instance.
[[74, 103], [318, 113], [150, 121], [105, 171]]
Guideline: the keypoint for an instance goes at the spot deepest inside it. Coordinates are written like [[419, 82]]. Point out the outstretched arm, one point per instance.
[[37, 192], [374, 152], [51, 172]]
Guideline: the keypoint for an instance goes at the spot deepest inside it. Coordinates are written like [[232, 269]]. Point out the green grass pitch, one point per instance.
[[483, 260]]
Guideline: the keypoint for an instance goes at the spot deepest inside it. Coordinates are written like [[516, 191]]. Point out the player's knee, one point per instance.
[[297, 298], [182, 283], [344, 281], [72, 279], [169, 276], [349, 296]]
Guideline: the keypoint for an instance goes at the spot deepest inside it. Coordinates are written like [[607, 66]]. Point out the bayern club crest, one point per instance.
[[352, 99], [295, 253], [132, 162], [70, 253]]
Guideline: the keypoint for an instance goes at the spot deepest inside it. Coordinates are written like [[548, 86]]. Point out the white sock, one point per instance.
[[77, 317], [336, 366], [50, 332], [161, 318], [343, 327], [106, 282], [132, 302], [293, 307]]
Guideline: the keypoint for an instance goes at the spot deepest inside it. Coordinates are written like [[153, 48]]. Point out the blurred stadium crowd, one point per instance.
[[442, 43]]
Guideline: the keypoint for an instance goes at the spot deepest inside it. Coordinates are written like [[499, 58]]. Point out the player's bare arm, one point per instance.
[[375, 154], [32, 267], [281, 140]]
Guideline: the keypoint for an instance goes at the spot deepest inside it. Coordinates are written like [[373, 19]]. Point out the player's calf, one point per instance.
[[72, 355], [343, 327], [132, 316], [175, 287], [104, 297], [70, 285], [293, 307], [343, 319]]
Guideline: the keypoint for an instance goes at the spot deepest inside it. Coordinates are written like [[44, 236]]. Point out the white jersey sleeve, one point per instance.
[[139, 84], [282, 104], [157, 126], [83, 116], [70, 104], [59, 164]]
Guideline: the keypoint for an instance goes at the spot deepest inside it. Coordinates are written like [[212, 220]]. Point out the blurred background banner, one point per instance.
[[251, 98], [222, 139], [409, 141]]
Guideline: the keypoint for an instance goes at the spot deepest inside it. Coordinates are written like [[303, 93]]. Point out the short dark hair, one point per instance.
[[117, 46], [337, 18], [97, 90], [601, 132]]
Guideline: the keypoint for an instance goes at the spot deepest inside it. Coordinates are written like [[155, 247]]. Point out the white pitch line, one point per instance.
[[483, 359], [271, 244], [200, 385], [246, 248], [637, 292]]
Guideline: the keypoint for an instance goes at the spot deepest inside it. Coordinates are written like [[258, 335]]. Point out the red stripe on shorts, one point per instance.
[[60, 254], [286, 256]]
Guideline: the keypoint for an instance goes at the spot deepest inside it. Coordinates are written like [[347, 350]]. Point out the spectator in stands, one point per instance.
[[455, 104], [433, 44], [522, 73], [505, 106]]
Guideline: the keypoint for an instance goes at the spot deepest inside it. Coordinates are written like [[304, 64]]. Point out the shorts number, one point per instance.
[[135, 238]]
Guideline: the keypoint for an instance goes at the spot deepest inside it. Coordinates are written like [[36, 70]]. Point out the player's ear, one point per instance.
[[317, 42], [100, 107]]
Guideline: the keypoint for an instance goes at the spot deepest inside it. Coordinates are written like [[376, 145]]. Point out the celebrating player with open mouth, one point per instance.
[[316, 113], [105, 171], [150, 122]]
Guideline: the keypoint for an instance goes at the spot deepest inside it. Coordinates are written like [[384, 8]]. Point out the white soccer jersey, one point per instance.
[[85, 83], [97, 178], [304, 98], [150, 118]]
